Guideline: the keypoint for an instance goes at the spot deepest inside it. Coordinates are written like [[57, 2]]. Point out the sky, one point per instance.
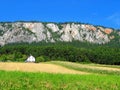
[[97, 12]]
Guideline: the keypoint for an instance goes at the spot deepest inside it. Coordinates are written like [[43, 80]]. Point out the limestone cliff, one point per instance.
[[53, 32]]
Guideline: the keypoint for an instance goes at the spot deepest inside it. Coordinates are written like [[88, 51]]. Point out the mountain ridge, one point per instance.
[[14, 32]]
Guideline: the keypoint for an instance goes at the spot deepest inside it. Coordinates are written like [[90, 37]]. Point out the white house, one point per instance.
[[30, 59]]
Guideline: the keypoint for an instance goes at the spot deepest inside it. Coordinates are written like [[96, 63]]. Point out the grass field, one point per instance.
[[71, 79], [37, 67], [90, 68]]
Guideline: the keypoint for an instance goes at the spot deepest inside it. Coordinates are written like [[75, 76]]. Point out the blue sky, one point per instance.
[[97, 12]]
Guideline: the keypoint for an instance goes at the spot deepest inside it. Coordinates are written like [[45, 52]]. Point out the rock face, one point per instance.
[[53, 32]]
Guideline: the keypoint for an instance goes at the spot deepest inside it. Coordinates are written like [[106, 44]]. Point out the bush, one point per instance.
[[3, 58], [17, 55], [10, 57], [40, 59]]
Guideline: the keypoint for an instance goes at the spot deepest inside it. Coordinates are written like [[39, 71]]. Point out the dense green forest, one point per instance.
[[72, 51]]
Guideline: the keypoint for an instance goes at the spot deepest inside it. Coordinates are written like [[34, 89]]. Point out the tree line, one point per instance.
[[61, 51]]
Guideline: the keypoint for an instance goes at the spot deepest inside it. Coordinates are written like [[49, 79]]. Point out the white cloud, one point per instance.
[[115, 18]]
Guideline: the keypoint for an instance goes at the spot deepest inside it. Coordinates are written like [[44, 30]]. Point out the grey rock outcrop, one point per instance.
[[52, 32]]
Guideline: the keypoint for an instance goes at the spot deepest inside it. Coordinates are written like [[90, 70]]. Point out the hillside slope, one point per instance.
[[13, 32]]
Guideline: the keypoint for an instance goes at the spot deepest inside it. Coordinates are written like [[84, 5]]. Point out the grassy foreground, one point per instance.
[[14, 80]]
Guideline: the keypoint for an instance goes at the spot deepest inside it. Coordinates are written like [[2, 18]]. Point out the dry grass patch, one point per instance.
[[37, 67]]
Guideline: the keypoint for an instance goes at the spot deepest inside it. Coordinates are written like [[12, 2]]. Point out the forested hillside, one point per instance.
[[73, 51], [75, 42]]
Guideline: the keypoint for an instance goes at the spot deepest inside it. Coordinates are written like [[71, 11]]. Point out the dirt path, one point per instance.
[[37, 67]]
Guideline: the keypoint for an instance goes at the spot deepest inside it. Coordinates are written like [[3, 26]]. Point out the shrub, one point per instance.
[[17, 56], [40, 59], [3, 58]]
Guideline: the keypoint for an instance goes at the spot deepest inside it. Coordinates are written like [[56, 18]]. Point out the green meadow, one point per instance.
[[18, 80], [12, 80]]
